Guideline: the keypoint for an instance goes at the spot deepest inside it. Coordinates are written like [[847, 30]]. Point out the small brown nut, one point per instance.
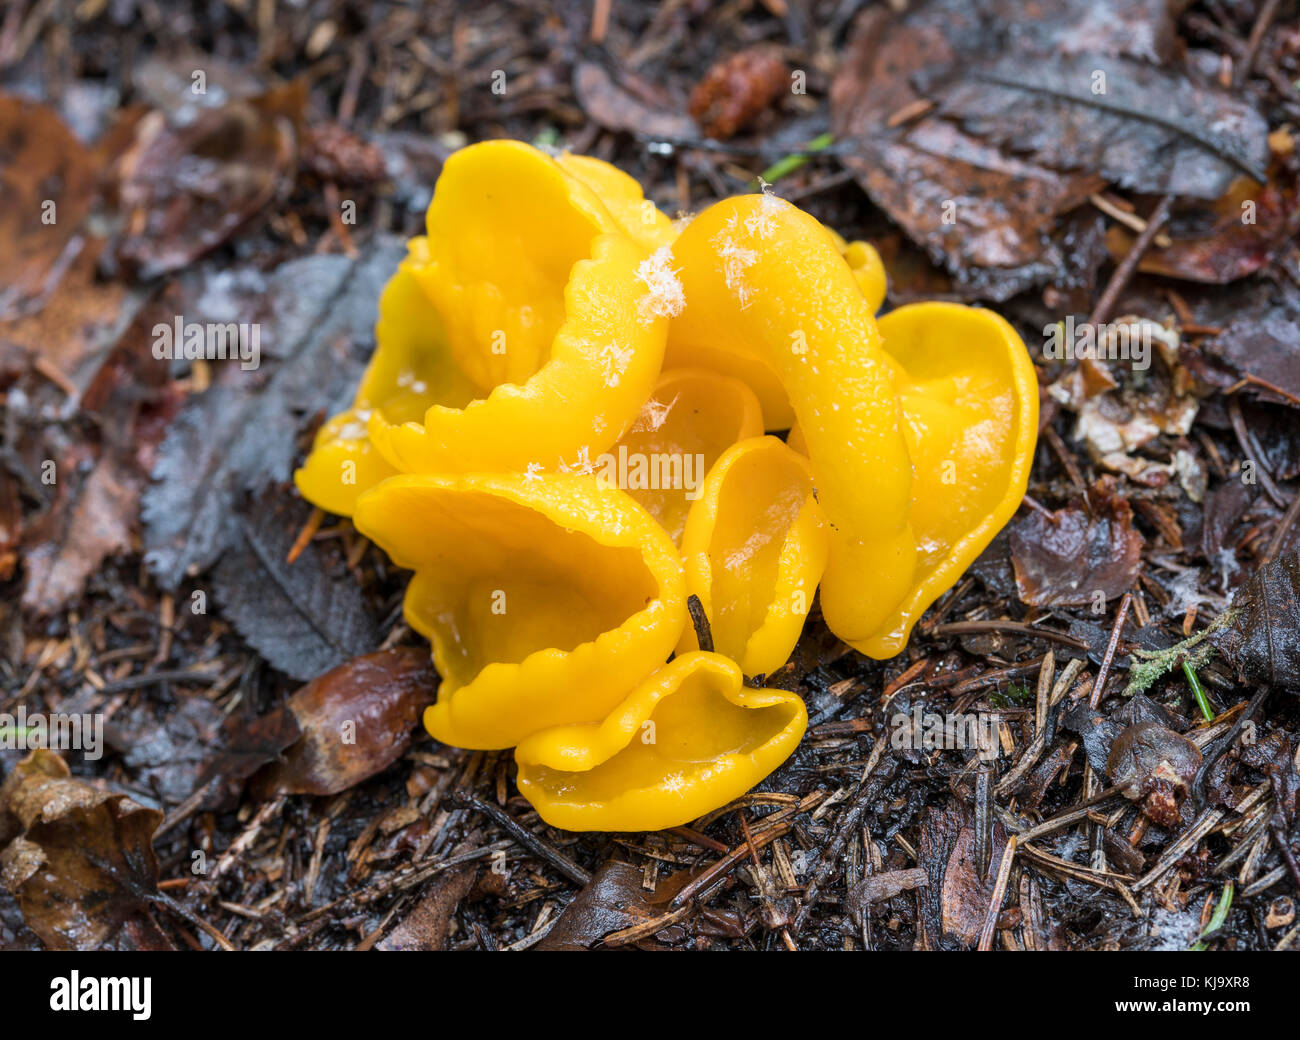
[[1161, 805]]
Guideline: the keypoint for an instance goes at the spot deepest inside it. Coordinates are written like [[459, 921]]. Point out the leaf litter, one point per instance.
[[855, 842]]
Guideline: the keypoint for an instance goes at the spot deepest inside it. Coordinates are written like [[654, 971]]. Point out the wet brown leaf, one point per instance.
[[966, 895], [615, 899], [186, 188], [875, 888], [97, 484], [977, 128], [356, 721], [247, 746], [165, 750], [1145, 128], [42, 165], [75, 323], [615, 107], [83, 861], [918, 171], [611, 901], [1263, 642], [1212, 241], [955, 901], [1264, 342], [1063, 559], [426, 926], [1148, 753], [1273, 757]]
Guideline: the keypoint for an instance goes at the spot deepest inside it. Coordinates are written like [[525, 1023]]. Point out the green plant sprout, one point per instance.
[[1217, 918], [785, 167]]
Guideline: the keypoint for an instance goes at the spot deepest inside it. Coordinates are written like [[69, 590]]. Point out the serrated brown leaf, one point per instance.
[[317, 315], [975, 127], [304, 617], [998, 240]]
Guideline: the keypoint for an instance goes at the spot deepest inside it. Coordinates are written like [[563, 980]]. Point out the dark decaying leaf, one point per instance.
[[186, 187], [616, 898], [166, 751], [1065, 558], [317, 328], [1147, 753], [956, 899], [355, 721], [426, 926], [83, 859], [1099, 733], [1144, 128], [994, 242], [611, 901], [42, 165], [304, 618], [1212, 242], [1151, 762], [246, 745], [999, 216], [1224, 508], [1263, 642], [1264, 342], [1273, 757], [875, 888]]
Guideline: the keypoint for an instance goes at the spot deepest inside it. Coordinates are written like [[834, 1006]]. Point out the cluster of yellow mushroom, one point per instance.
[[566, 431]]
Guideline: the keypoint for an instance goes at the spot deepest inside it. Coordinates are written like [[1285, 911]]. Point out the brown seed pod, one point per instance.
[[737, 89]]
